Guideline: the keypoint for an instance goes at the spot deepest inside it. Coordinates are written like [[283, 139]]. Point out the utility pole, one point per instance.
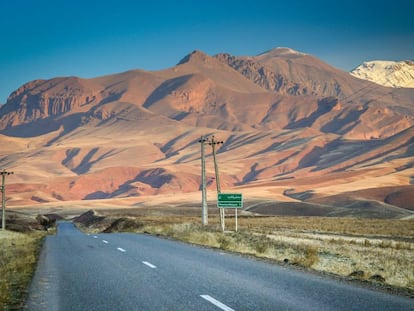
[[213, 144], [204, 208], [3, 202]]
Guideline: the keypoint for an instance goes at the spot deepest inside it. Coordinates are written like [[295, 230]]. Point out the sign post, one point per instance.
[[230, 200]]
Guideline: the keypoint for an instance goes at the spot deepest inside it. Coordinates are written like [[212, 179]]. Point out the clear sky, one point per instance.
[[42, 39]]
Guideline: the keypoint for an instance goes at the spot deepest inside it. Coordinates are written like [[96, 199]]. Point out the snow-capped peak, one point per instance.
[[281, 51], [387, 73]]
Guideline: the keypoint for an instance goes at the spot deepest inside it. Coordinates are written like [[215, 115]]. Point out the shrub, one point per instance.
[[309, 256], [358, 274], [224, 242], [261, 247]]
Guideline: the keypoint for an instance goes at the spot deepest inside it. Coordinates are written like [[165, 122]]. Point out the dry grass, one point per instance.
[[372, 250], [18, 258], [346, 226]]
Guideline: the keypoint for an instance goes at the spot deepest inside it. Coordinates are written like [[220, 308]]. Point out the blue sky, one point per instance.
[[42, 39]]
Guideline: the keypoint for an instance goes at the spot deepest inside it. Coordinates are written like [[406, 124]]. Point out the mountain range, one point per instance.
[[299, 136]]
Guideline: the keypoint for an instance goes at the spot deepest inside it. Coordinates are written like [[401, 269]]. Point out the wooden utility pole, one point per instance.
[[213, 144], [204, 214], [3, 202], [204, 208]]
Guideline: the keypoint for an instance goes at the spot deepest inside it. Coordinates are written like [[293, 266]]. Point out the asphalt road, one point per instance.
[[141, 272]]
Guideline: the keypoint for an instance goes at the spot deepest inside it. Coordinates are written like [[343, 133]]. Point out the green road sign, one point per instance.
[[230, 200]]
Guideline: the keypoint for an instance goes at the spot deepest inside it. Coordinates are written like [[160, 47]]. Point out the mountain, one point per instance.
[[346, 100], [291, 72], [296, 131], [387, 73]]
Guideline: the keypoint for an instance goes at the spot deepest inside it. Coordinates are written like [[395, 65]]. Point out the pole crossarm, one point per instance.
[[3, 174]]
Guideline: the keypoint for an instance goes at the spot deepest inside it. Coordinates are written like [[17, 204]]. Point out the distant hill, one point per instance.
[[295, 129]]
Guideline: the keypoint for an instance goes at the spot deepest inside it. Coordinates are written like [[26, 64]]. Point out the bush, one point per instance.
[[309, 256], [224, 242], [261, 247]]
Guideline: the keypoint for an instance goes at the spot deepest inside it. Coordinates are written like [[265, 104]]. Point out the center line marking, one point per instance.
[[149, 264], [105, 241], [121, 249], [217, 303]]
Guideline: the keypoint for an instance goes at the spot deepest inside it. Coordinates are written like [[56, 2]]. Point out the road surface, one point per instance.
[[140, 272]]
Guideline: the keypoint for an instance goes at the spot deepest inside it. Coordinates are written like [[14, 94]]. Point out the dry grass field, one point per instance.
[[379, 251], [18, 258]]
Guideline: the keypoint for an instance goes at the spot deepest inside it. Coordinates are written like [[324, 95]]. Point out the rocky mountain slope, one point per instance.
[[387, 73], [295, 130]]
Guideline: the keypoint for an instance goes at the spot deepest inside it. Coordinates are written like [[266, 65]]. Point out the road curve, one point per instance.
[[140, 272]]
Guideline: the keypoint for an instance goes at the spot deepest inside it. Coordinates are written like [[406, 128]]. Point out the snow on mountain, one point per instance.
[[281, 51], [387, 73]]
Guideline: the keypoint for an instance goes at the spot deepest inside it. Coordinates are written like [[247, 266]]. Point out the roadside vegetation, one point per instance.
[[379, 251], [18, 258]]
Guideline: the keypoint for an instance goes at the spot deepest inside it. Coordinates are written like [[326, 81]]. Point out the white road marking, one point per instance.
[[121, 249], [105, 241], [149, 264], [217, 303], [95, 237]]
